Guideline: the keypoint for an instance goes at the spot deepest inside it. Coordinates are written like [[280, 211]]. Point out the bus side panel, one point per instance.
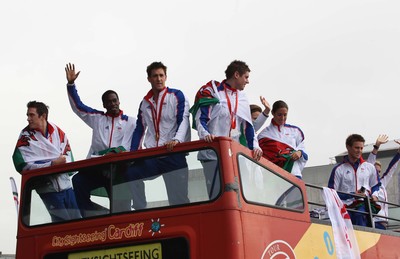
[[26, 248], [221, 235], [269, 236], [318, 242], [386, 247], [298, 239]]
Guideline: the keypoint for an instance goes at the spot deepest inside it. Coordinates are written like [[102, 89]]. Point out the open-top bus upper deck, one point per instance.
[[254, 210]]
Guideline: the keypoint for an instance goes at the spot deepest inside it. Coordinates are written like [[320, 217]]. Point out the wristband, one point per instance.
[[266, 115], [375, 146]]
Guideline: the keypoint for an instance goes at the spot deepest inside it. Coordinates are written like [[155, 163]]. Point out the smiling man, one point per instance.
[[163, 121], [222, 109], [355, 175], [110, 129]]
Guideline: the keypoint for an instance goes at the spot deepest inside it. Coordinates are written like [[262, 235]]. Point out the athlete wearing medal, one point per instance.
[[222, 109], [163, 120]]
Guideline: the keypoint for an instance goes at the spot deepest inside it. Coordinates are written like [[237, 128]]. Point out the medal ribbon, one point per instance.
[[156, 116], [232, 113]]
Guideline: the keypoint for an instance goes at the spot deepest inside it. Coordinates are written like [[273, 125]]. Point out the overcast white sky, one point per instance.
[[335, 63]]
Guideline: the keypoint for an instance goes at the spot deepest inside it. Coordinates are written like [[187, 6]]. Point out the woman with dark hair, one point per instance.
[[283, 144]]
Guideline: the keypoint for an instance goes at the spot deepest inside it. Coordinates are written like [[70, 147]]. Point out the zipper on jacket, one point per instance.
[[112, 131]]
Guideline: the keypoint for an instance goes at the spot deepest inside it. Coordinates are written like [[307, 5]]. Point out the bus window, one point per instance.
[[185, 178], [263, 186], [34, 211], [142, 183]]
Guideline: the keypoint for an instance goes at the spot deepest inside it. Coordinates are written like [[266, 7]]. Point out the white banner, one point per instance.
[[343, 232]]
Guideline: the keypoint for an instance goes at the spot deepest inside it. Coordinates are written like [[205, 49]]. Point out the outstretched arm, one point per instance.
[[391, 169], [382, 139], [86, 113], [259, 122]]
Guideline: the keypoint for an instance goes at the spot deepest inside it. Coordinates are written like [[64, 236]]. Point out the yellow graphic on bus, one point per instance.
[[151, 251]]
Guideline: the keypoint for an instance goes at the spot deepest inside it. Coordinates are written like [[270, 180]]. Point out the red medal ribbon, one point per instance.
[[232, 113], [156, 116]]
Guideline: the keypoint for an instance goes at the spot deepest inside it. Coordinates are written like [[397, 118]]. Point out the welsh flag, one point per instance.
[[207, 95]]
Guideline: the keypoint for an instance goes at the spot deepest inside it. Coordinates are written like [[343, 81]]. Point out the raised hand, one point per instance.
[[70, 73], [267, 106], [382, 139]]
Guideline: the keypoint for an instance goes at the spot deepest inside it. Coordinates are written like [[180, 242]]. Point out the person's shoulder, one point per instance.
[[291, 126], [294, 127], [53, 127], [25, 129], [54, 130], [339, 166], [243, 95], [128, 118], [368, 165], [211, 84], [174, 90], [208, 90], [125, 117]]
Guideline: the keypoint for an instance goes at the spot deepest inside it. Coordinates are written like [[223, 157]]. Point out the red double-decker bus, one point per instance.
[[236, 207]]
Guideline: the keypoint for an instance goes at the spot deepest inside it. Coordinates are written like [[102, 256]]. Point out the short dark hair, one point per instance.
[[354, 138], [106, 93], [41, 108], [279, 104], [255, 108], [238, 66], [155, 65]]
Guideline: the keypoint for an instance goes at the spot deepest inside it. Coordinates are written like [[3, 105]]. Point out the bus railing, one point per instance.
[[393, 221]]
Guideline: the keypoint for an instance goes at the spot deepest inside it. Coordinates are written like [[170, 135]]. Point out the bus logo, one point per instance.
[[155, 227], [278, 249]]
